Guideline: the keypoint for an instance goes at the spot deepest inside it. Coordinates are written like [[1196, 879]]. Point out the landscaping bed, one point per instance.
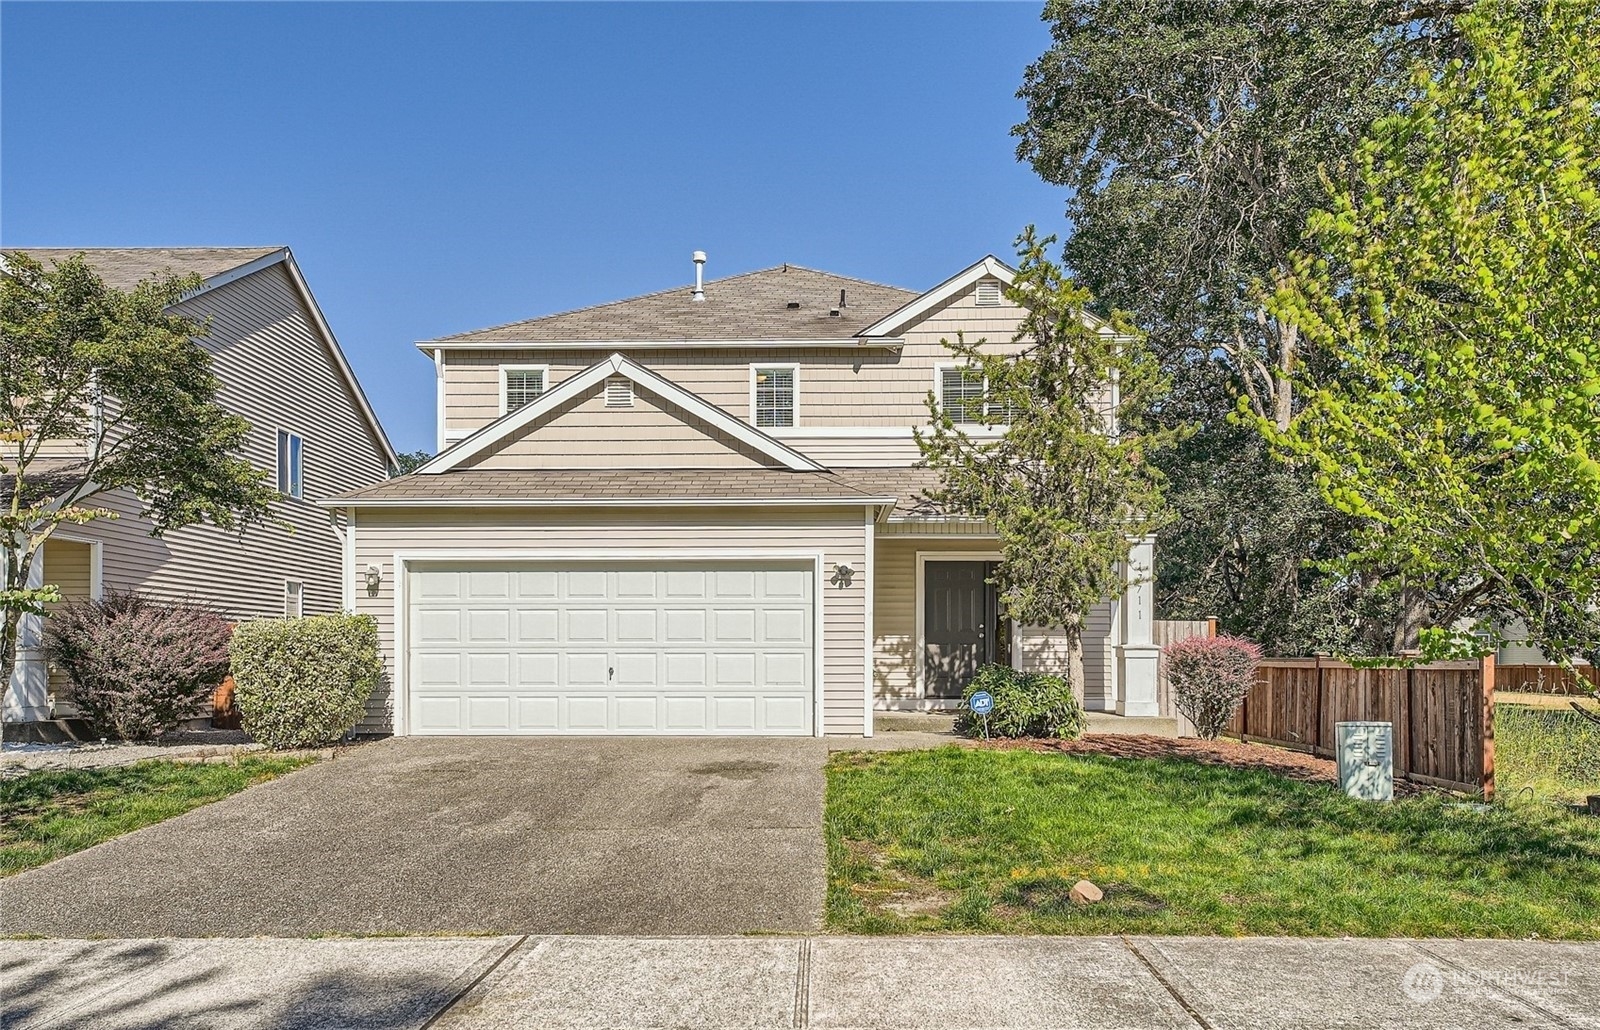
[[992, 839], [51, 813]]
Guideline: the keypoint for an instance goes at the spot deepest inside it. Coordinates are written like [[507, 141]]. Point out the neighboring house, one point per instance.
[[697, 511], [281, 369]]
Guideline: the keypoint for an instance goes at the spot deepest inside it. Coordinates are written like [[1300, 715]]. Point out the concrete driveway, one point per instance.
[[468, 836]]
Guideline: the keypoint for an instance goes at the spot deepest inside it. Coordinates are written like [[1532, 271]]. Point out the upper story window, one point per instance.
[[291, 468], [774, 390], [988, 293], [961, 390], [520, 384]]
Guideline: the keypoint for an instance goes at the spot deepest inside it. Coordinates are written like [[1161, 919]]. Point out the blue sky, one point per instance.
[[438, 168]]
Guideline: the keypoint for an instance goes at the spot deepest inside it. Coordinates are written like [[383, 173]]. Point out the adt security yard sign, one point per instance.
[[982, 703]]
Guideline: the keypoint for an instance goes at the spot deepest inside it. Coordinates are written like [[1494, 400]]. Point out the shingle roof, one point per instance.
[[641, 486], [122, 267], [906, 485], [751, 306]]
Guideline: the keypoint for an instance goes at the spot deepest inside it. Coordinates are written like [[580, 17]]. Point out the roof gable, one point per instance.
[[753, 306], [494, 436]]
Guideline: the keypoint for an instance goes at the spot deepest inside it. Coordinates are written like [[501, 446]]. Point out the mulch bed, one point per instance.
[[1293, 765]]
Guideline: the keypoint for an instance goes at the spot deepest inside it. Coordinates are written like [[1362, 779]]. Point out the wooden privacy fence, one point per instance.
[[1547, 679], [1443, 714]]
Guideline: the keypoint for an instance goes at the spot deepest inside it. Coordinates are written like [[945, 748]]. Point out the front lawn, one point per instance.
[[45, 815], [989, 841]]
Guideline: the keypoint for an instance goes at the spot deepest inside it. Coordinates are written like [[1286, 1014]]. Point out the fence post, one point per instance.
[[1316, 741], [1211, 625], [1486, 685]]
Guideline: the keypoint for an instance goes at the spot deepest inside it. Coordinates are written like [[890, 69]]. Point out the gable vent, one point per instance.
[[619, 392], [988, 293]]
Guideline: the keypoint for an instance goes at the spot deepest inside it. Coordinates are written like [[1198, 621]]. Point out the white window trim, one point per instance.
[[299, 597], [939, 370], [278, 456], [543, 370], [794, 370]]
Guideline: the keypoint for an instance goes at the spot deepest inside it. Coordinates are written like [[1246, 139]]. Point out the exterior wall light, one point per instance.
[[843, 576], [374, 579]]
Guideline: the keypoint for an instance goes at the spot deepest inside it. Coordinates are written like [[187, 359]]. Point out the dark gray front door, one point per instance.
[[960, 624]]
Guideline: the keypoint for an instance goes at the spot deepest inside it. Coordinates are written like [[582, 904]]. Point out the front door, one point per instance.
[[962, 628]]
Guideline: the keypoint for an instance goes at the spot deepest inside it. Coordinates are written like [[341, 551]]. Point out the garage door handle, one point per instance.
[[611, 673]]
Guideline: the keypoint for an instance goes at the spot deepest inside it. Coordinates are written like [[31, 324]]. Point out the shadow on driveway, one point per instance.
[[468, 835]]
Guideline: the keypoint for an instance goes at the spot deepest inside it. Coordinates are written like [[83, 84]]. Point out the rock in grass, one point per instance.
[[1086, 893]]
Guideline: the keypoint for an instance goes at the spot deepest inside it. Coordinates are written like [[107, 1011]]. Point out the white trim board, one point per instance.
[[575, 386], [400, 699], [613, 502], [511, 343]]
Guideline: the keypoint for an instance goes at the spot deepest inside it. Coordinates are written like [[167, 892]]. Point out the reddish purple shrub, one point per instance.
[[1210, 676], [138, 667]]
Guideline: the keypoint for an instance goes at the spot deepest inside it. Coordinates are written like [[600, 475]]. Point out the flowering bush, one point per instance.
[[303, 682], [1026, 704], [1209, 677], [138, 667]]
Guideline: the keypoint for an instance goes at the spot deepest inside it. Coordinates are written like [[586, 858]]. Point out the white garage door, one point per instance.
[[620, 647]]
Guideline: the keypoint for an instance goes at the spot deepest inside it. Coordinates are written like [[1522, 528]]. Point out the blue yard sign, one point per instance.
[[981, 702]]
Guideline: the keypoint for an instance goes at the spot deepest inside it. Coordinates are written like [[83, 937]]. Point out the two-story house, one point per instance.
[[281, 369], [699, 511]]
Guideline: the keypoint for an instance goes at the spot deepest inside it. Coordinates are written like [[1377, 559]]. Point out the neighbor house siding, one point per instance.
[[276, 372], [587, 434], [896, 651], [839, 535], [838, 387]]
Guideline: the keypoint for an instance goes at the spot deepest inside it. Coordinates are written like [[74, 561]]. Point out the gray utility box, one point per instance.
[[1366, 759]]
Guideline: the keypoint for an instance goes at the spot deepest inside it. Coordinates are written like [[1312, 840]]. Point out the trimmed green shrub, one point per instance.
[[304, 682], [138, 667], [1026, 704]]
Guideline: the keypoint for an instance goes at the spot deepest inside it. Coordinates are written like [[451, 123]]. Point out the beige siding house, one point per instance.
[[699, 511], [281, 369]]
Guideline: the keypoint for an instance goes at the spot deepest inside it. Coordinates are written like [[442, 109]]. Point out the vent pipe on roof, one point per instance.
[[699, 271]]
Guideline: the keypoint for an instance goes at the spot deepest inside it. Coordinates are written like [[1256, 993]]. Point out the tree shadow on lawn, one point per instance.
[[116, 991]]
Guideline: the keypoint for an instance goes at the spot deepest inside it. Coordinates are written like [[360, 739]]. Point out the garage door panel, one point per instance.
[[625, 647], [588, 624]]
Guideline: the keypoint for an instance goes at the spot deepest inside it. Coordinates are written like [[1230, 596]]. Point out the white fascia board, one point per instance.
[[283, 256], [877, 340], [509, 423], [617, 364], [990, 267], [610, 502]]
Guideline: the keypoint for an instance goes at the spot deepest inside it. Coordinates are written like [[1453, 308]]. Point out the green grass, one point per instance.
[[1545, 755], [982, 841], [47, 814]]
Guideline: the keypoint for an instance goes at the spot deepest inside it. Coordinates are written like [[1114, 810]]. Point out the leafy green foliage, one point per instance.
[[304, 682], [1545, 754], [138, 667], [1069, 484], [1026, 704], [410, 461], [1455, 288], [123, 374], [48, 814]]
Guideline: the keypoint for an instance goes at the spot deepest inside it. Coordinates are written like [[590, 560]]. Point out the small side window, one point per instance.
[[291, 466], [521, 386], [773, 396], [294, 604]]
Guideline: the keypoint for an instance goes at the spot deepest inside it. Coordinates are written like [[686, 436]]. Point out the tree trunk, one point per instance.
[[1411, 620], [1075, 661], [1282, 381]]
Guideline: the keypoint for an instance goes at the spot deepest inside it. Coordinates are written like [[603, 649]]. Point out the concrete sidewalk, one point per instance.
[[553, 983]]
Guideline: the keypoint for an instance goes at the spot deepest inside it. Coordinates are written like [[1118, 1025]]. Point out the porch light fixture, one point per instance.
[[843, 575], [374, 579]]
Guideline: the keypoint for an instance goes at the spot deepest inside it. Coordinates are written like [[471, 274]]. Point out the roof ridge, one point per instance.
[[785, 266]]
